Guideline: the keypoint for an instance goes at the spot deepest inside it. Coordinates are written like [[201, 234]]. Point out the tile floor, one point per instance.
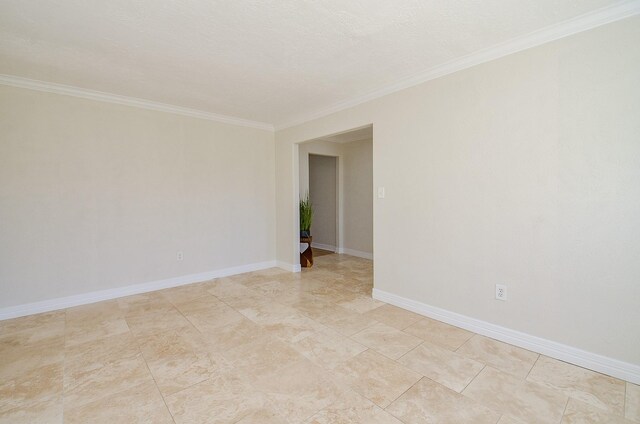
[[276, 347]]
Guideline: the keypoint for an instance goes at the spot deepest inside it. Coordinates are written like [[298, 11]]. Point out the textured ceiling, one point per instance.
[[267, 61]]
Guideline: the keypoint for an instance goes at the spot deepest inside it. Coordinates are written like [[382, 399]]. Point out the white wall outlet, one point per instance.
[[380, 192], [180, 256], [501, 292]]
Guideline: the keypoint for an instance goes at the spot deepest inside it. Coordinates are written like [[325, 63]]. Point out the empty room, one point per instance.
[[320, 211]]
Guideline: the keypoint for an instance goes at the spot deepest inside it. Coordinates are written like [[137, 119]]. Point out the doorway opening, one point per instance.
[[336, 171]]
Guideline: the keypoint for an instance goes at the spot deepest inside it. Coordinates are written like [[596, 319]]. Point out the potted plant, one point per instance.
[[306, 216]]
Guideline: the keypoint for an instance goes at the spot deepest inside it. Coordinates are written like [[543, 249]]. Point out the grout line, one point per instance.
[[409, 351], [474, 377], [154, 378], [564, 411], [406, 326], [402, 394], [64, 360], [624, 401], [465, 342], [532, 367]]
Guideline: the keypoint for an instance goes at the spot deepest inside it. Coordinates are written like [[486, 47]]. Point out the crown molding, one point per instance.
[[554, 32], [100, 96], [563, 29]]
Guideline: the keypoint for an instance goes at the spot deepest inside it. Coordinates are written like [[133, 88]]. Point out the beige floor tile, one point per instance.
[[180, 358], [293, 296], [361, 304], [441, 365], [46, 330], [505, 419], [256, 277], [344, 321], [386, 340], [263, 416], [330, 292], [430, 402], [298, 389], [225, 398], [143, 303], [323, 275], [376, 377], [270, 288], [349, 282], [101, 368], [393, 316], [244, 302], [632, 403], [353, 408], [578, 412], [32, 387], [156, 321], [46, 321], [208, 301], [95, 312], [328, 348], [588, 386], [18, 360], [90, 385], [282, 321], [48, 412], [96, 352], [226, 288], [439, 333], [501, 356], [210, 320], [529, 402], [141, 404], [261, 356], [316, 308], [231, 336], [79, 331], [186, 293]]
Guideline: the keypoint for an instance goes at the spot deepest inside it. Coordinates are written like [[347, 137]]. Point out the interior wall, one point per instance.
[[520, 171], [96, 196], [323, 191], [358, 199]]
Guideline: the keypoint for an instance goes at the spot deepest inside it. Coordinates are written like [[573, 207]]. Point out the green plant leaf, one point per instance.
[[306, 213]]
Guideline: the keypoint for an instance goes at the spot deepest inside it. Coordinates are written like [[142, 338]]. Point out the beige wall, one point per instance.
[[96, 196], [522, 171], [358, 199], [323, 191]]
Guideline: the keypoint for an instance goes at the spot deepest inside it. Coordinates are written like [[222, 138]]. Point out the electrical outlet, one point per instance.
[[179, 256], [501, 292]]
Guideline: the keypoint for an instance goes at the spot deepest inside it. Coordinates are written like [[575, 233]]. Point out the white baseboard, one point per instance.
[[98, 296], [323, 246], [613, 367], [289, 267], [358, 253]]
